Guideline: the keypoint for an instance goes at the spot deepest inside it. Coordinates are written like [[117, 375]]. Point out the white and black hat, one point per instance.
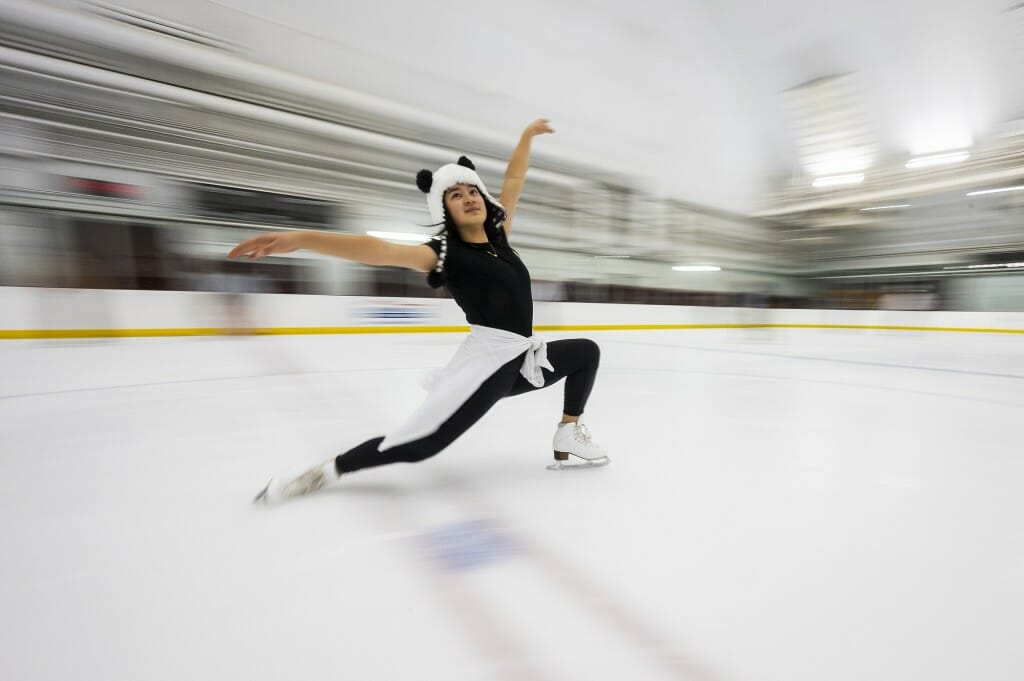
[[435, 184]]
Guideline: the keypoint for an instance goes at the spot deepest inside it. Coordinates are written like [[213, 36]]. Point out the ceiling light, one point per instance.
[[697, 268], [852, 160], [942, 159], [1017, 188], [893, 206], [836, 180], [401, 236], [992, 266]]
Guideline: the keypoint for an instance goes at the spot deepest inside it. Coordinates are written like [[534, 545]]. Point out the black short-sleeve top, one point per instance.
[[489, 282]]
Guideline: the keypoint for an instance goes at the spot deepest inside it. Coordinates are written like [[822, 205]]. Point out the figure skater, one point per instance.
[[501, 357]]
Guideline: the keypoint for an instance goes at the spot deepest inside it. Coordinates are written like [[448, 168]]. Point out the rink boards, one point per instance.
[[27, 313]]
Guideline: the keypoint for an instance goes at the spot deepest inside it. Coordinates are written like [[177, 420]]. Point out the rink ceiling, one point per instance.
[[781, 504], [683, 94]]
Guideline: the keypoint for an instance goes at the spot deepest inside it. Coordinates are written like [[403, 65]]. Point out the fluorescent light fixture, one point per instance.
[[1002, 264], [402, 236], [840, 162], [1016, 188], [892, 207], [986, 267], [942, 159], [887, 275], [697, 268], [836, 180]]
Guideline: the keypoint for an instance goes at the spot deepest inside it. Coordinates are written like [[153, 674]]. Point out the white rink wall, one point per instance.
[[26, 310]]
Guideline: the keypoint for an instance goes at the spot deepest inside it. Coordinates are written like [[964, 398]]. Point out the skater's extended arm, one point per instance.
[[515, 174], [362, 248]]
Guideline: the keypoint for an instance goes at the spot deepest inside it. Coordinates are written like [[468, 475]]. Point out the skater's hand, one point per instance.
[[267, 244], [538, 127]]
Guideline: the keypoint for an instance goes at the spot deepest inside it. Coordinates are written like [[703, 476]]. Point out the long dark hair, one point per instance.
[[493, 223]]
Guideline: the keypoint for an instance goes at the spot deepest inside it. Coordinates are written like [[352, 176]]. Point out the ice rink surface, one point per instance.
[[782, 505]]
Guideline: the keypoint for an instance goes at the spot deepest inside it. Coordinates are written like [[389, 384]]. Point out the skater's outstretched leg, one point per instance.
[[367, 454], [480, 402]]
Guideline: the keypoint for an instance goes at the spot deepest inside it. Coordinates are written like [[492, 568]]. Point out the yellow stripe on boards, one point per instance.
[[313, 330], [889, 327], [43, 334], [645, 327], [36, 334], [655, 327]]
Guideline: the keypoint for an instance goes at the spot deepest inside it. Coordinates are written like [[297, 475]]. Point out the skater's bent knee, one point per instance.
[[592, 349]]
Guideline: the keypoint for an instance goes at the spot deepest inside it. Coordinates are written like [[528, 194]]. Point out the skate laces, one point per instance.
[[582, 434]]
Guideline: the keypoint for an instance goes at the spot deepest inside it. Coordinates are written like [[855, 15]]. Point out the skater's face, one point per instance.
[[466, 205]]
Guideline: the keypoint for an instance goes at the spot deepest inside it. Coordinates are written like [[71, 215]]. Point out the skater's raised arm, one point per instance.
[[362, 248], [515, 174]]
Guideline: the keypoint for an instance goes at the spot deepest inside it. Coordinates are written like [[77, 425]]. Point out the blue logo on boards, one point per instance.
[[397, 313]]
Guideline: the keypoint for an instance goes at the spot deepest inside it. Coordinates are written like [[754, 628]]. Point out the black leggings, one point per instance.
[[574, 360]]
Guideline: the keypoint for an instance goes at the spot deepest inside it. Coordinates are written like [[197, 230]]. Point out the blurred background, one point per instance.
[[720, 153], [832, 495]]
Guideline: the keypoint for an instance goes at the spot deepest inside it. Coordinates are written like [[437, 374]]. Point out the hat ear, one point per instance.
[[465, 162], [424, 180]]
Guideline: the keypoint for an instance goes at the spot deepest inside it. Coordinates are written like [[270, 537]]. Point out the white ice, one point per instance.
[[781, 506]]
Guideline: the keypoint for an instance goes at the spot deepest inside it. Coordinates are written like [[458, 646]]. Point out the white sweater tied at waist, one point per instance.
[[483, 352]]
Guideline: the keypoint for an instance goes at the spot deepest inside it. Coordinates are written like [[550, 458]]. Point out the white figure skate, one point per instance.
[[278, 490], [574, 439]]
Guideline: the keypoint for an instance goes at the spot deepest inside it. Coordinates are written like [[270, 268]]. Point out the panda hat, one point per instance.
[[435, 184]]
